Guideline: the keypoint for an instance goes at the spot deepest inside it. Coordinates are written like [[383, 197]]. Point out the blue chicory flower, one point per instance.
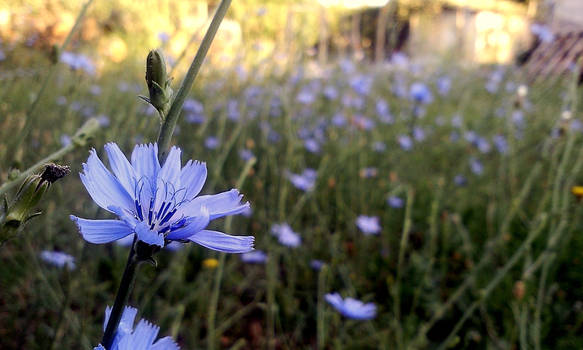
[[140, 338], [286, 235], [254, 257], [369, 225], [395, 202], [158, 203], [58, 259], [352, 308]]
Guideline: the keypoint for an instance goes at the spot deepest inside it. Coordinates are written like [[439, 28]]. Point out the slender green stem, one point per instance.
[[167, 128], [400, 265], [121, 299]]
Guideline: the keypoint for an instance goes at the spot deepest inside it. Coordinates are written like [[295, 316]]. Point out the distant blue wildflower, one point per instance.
[[2, 55], [339, 120], [361, 84], [443, 85], [395, 202], [352, 308], [457, 121], [158, 203], [330, 92], [369, 225], [476, 166], [286, 236], [304, 181], [460, 180], [420, 93], [163, 37], [501, 144], [369, 172], [233, 110], [379, 146], [312, 146], [254, 257], [483, 145], [141, 337], [246, 154], [95, 90], [58, 259], [316, 264], [405, 142], [212, 142], [418, 134], [78, 62]]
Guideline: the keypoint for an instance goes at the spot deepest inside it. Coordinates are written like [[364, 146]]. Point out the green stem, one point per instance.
[[167, 128], [121, 299]]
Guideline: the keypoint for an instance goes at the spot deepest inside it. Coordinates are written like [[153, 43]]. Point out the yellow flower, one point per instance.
[[210, 263], [577, 191]]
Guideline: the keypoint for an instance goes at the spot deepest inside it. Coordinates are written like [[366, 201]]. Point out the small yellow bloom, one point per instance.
[[577, 191], [210, 263]]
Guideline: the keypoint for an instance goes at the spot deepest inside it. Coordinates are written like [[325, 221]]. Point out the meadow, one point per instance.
[[468, 175]]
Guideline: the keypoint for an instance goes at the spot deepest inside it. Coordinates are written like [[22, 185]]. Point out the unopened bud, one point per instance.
[[158, 82], [31, 192], [519, 290]]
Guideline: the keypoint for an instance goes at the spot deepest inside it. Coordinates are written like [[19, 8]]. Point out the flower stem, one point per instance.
[[167, 128], [123, 293]]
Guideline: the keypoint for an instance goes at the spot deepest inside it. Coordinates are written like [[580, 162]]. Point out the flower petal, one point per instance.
[[218, 205], [193, 177], [223, 242], [145, 162], [166, 343], [122, 168], [101, 231], [142, 337], [170, 172], [192, 227], [102, 186], [168, 180], [149, 236]]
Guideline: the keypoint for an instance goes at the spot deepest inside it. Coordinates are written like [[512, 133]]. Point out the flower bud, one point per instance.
[[158, 82], [31, 192]]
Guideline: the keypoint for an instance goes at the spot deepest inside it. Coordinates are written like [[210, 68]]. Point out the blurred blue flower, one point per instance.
[[460, 180], [361, 84], [142, 337], [330, 92], [395, 202], [78, 62], [212, 142], [254, 257], [339, 120], [246, 154], [369, 225], [163, 37], [352, 308], [58, 259], [316, 264], [443, 85], [405, 142], [501, 144], [418, 134], [420, 93], [542, 32], [476, 166], [233, 110], [158, 203], [304, 181], [312, 146], [379, 146], [66, 140], [285, 235]]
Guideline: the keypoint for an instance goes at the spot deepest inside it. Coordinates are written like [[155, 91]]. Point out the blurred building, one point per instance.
[[481, 31]]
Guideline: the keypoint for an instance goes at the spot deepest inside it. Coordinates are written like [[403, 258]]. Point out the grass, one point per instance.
[[490, 264]]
